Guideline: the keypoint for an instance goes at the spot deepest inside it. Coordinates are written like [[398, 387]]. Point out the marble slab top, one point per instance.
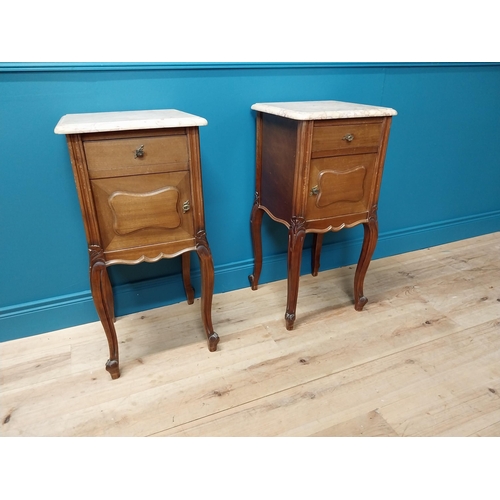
[[126, 120], [322, 110]]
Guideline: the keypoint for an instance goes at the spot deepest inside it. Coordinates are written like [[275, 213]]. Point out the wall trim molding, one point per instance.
[[32, 318], [14, 67]]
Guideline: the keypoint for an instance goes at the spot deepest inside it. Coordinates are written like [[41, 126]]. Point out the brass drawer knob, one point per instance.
[[139, 152], [348, 137], [186, 206]]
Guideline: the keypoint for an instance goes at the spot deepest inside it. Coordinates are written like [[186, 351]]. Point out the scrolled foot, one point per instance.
[[113, 368], [213, 340], [253, 282], [359, 304]]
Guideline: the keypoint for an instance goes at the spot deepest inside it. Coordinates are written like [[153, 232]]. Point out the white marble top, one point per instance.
[[126, 120], [321, 110]]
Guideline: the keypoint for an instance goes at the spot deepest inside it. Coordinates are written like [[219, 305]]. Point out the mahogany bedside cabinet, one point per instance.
[[139, 183], [318, 169]]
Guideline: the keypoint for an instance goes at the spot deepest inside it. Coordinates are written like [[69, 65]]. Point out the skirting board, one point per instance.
[[34, 318]]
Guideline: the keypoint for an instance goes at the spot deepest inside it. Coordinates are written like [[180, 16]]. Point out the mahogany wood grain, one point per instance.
[[141, 198], [316, 176]]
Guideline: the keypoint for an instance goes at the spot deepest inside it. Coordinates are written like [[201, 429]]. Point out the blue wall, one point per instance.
[[441, 181]]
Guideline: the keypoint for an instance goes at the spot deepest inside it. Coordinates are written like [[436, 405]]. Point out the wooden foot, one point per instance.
[[213, 340], [369, 244], [113, 368], [289, 320]]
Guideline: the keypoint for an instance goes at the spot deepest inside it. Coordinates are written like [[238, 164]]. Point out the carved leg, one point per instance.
[[255, 227], [101, 293], [296, 236], [369, 243], [186, 277], [207, 288], [316, 252]]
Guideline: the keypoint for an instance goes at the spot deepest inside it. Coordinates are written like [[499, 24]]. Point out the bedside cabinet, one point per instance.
[[139, 183], [318, 169]]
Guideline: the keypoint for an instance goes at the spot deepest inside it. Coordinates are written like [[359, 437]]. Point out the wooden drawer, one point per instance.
[[346, 137], [136, 155], [341, 185]]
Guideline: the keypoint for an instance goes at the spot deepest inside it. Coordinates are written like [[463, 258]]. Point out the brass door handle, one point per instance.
[[186, 206]]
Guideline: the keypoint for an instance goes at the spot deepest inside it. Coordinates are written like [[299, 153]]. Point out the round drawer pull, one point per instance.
[[348, 137], [139, 152]]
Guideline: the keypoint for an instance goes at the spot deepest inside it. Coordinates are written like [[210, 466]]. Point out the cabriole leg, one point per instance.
[[207, 288], [186, 277], [369, 244], [296, 236], [102, 295], [316, 252], [255, 228]]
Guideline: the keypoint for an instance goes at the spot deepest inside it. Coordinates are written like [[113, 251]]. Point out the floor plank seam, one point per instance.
[[423, 362]]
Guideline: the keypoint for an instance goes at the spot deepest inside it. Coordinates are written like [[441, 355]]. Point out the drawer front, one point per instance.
[[138, 155], [341, 185], [137, 211], [346, 138]]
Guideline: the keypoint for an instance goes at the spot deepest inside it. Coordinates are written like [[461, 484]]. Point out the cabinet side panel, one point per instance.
[[197, 205], [384, 140], [80, 172], [279, 145]]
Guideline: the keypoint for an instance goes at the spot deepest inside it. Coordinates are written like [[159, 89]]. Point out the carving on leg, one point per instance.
[[316, 252], [186, 277], [255, 228], [102, 294], [369, 244], [207, 288], [296, 236]]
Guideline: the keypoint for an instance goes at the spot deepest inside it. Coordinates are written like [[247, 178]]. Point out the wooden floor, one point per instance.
[[422, 359]]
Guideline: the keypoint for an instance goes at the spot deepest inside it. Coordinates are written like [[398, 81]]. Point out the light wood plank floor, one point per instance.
[[422, 359]]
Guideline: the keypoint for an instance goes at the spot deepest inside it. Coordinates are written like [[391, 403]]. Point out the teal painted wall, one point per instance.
[[441, 181]]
